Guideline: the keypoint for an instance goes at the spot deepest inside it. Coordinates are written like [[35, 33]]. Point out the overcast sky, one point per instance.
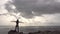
[[31, 12]]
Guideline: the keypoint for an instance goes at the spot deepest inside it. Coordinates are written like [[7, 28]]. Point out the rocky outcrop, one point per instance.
[[14, 32], [45, 32], [38, 32]]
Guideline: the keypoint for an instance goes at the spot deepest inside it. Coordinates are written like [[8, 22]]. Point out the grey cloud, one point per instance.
[[37, 6]]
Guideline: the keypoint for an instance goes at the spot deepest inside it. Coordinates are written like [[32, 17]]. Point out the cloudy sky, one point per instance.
[[31, 12]]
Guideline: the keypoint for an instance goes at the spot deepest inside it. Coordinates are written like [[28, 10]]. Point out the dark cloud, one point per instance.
[[37, 6]]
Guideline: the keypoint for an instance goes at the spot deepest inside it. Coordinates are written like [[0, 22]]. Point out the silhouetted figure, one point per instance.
[[17, 26], [16, 31]]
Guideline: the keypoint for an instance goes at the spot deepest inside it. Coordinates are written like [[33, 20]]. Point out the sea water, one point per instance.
[[27, 29]]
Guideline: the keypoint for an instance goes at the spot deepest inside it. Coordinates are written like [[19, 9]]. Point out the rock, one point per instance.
[[12, 32], [20, 32]]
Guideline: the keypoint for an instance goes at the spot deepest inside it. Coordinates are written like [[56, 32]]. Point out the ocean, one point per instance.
[[26, 29]]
